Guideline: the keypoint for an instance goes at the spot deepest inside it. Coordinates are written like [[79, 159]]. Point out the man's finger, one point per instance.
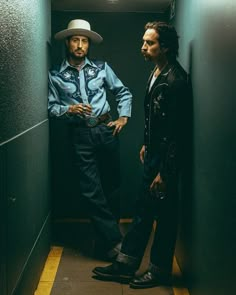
[[115, 130], [110, 124], [152, 185]]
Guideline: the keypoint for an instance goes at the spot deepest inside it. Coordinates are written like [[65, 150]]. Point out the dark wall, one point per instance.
[[24, 144], [207, 240], [122, 33]]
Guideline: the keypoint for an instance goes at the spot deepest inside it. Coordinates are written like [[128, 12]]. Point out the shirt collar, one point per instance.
[[167, 68], [65, 64]]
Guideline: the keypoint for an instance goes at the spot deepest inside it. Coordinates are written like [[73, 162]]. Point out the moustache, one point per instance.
[[145, 54]]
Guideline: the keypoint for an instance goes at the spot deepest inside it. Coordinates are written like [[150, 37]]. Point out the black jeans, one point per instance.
[[148, 210], [97, 162]]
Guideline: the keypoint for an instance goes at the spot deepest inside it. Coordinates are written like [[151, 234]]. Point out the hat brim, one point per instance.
[[93, 36]]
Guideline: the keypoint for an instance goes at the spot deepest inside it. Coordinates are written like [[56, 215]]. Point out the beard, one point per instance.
[[77, 54], [147, 57]]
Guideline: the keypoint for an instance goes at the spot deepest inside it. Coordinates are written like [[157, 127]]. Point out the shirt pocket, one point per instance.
[[95, 86]]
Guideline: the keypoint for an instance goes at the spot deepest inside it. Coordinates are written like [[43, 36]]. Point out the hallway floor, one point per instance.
[[68, 271]]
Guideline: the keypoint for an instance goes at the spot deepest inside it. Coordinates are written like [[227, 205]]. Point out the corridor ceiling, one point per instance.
[[111, 5]]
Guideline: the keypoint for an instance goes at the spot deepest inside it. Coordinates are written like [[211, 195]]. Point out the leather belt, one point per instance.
[[93, 121]]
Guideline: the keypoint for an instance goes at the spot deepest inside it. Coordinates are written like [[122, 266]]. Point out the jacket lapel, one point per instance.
[[149, 80], [161, 77]]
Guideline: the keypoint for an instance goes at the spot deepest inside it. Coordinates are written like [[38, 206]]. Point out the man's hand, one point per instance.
[[157, 185], [118, 124], [80, 109], [142, 153]]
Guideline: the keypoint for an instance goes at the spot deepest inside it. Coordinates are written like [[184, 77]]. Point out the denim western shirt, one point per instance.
[[68, 86]]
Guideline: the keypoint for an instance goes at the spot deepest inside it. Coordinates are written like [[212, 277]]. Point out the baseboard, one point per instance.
[[34, 265]]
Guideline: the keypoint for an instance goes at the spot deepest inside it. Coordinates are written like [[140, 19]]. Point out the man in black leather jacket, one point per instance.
[[166, 94]]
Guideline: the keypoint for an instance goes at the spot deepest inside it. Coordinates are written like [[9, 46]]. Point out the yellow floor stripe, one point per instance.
[[50, 269], [177, 272], [49, 273]]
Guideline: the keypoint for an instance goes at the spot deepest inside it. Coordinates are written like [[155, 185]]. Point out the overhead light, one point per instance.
[[112, 1]]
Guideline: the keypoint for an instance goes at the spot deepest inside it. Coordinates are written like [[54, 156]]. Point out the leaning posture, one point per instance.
[[164, 102], [78, 94]]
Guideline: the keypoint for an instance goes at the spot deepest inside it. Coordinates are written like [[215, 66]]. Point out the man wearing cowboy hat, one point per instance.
[[77, 93]]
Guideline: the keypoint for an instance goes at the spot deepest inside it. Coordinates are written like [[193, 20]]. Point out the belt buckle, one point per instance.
[[92, 121]]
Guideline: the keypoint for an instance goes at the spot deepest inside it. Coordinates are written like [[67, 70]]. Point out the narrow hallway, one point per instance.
[[37, 184], [68, 271]]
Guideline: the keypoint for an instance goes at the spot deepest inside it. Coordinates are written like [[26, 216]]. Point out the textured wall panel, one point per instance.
[[27, 160], [3, 221], [23, 62], [24, 171], [206, 248]]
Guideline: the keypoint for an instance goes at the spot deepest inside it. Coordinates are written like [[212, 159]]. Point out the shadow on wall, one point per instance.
[[65, 186], [186, 222]]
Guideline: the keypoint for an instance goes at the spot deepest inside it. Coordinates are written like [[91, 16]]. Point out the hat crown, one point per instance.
[[79, 27], [79, 24]]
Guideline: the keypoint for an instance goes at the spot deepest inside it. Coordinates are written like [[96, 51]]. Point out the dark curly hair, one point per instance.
[[168, 37]]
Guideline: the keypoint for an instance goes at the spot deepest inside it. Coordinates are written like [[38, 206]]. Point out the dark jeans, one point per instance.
[[97, 164], [149, 209]]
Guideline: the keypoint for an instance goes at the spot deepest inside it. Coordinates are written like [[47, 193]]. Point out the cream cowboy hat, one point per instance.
[[79, 27]]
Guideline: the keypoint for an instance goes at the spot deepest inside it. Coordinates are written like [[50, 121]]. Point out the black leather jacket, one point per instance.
[[164, 116]]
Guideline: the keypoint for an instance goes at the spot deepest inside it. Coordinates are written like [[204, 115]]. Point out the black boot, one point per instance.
[[150, 279], [118, 272]]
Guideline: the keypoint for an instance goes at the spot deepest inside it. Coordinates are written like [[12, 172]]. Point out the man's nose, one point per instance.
[[80, 44], [144, 47]]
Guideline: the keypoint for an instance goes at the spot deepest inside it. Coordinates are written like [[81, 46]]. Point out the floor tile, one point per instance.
[[74, 275], [149, 291], [83, 288]]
